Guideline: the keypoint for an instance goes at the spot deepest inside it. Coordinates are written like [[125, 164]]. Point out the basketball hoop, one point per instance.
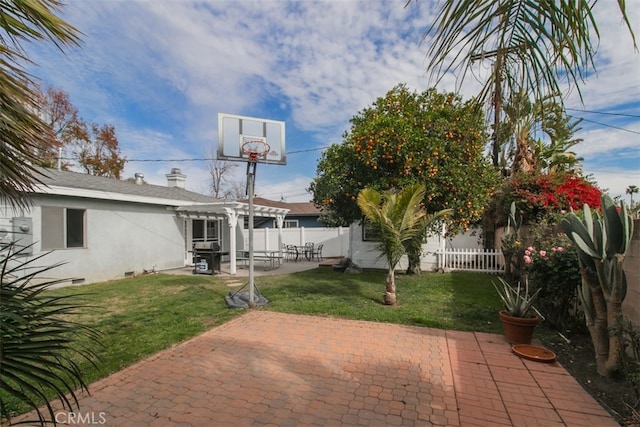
[[255, 148]]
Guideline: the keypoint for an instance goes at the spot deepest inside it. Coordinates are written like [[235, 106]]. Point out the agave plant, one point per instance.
[[602, 241], [39, 343], [518, 302]]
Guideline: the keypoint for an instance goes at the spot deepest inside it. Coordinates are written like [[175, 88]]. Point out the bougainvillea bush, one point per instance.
[[539, 195]]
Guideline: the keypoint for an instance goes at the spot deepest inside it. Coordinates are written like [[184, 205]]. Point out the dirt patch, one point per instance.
[[578, 359]]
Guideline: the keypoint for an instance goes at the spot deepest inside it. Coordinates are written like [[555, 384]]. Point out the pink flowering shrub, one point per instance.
[[553, 268]]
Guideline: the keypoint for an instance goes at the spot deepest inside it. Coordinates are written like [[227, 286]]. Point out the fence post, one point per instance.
[[302, 237], [266, 239]]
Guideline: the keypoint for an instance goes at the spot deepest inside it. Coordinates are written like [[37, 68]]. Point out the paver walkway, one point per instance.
[[273, 369]]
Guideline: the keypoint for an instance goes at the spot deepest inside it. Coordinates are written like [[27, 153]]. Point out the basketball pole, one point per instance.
[[251, 176]]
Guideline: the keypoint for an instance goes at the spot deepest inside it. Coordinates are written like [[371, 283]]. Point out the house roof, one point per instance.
[[297, 209], [83, 185], [184, 202]]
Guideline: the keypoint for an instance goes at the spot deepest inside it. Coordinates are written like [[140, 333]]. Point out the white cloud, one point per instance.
[[161, 71]]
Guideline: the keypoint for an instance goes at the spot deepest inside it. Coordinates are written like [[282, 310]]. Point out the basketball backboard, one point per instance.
[[236, 131]]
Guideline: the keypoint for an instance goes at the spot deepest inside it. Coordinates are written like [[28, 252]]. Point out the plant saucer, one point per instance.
[[534, 352]]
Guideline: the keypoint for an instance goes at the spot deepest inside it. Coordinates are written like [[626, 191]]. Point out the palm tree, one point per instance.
[[40, 343], [631, 190], [538, 43], [38, 346], [413, 247], [398, 217], [23, 132], [535, 44], [561, 129], [522, 118]]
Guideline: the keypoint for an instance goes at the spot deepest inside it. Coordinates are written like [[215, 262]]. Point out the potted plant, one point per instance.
[[518, 317]]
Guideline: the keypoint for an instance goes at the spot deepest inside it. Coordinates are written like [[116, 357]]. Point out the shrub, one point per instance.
[[539, 195], [553, 269], [549, 261]]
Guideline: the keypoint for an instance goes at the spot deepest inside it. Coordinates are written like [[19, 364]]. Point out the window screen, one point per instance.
[[62, 228]]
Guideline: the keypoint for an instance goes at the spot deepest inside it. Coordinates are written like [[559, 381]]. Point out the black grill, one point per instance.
[[207, 257]]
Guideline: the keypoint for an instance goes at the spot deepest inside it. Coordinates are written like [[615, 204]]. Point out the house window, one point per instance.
[[287, 223], [63, 228], [258, 222], [197, 225], [208, 230], [369, 232]]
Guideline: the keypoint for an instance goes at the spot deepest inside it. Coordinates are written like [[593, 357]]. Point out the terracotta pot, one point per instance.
[[518, 330]]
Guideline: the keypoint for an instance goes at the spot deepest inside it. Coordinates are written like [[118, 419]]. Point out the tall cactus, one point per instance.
[[602, 241]]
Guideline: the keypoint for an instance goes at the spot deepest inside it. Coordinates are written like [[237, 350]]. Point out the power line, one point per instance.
[[610, 126], [201, 159], [307, 150], [634, 116]]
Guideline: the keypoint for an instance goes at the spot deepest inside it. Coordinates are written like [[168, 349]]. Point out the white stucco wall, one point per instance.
[[121, 238], [471, 239], [366, 254]]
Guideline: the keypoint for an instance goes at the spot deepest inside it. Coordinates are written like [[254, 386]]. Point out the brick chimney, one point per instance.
[[175, 178]]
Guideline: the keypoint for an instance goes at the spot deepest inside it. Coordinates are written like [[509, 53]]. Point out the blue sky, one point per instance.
[[160, 71]]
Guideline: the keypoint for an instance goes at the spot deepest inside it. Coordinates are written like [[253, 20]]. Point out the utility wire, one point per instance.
[[307, 150], [634, 116], [200, 159], [611, 126]]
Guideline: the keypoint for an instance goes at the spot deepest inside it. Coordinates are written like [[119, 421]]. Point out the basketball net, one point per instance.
[[255, 149]]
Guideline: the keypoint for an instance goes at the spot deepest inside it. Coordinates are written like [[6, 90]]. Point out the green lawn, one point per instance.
[[156, 311], [143, 315]]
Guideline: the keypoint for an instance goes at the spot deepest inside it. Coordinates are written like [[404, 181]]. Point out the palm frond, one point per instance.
[[39, 347], [540, 44], [396, 215], [22, 130]]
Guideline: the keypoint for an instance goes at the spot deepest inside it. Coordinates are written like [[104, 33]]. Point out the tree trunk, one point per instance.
[[523, 160], [614, 314], [414, 263], [607, 313], [597, 325], [390, 288]]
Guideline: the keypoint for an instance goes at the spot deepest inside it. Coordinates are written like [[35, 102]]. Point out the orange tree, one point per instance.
[[430, 138]]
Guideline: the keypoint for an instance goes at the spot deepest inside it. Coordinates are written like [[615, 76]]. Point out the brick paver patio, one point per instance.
[[273, 369]]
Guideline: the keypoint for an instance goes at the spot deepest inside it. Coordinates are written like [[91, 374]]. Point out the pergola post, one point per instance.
[[232, 218], [280, 221]]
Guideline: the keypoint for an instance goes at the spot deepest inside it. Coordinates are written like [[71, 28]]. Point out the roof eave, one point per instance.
[[57, 190]]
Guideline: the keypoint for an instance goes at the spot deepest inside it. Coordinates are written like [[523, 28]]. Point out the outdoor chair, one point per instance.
[[308, 251], [317, 253], [291, 253]]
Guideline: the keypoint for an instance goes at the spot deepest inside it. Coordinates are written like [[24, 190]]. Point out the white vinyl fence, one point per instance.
[[336, 243], [335, 240], [478, 260]]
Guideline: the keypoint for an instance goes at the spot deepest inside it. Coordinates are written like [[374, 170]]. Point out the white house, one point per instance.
[[463, 251], [104, 229]]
